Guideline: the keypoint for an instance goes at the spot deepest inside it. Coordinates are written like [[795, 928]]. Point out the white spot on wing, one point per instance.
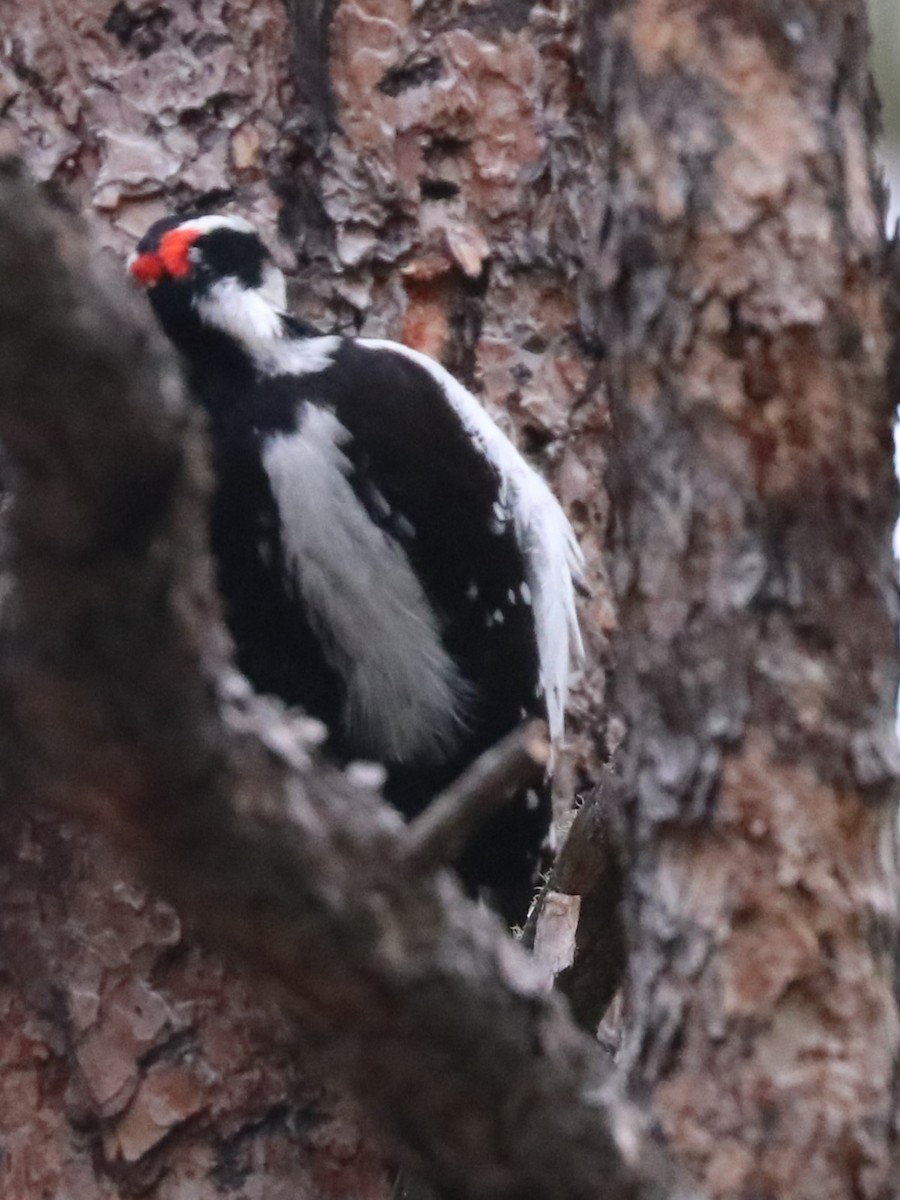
[[298, 356], [405, 527], [380, 504], [273, 289], [405, 699], [366, 775], [472, 591], [553, 558]]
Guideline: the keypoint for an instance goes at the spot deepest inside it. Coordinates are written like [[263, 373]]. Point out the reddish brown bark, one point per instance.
[[135, 1064]]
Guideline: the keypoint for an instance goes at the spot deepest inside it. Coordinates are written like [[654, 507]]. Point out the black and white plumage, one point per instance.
[[388, 560]]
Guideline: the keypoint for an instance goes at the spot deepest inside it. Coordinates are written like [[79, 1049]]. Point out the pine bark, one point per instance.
[[744, 305]]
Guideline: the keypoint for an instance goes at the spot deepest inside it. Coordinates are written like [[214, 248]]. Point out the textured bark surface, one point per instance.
[[743, 304], [394, 172], [134, 1064]]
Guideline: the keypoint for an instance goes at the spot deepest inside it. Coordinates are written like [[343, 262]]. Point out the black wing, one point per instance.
[[420, 477]]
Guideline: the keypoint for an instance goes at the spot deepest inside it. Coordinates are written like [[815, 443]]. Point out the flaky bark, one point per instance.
[[743, 303], [130, 110]]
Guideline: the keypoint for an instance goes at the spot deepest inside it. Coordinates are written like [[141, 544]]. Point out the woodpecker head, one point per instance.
[[210, 273]]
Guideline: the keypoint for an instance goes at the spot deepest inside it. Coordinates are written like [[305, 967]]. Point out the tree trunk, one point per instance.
[[743, 300], [670, 205]]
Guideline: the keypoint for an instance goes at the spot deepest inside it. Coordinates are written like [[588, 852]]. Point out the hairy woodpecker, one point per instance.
[[388, 560]]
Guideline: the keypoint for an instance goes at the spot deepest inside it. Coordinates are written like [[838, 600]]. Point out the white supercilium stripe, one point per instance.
[[553, 558], [215, 221], [405, 699]]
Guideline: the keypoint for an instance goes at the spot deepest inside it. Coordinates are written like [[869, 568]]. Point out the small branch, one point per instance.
[[589, 866], [441, 832]]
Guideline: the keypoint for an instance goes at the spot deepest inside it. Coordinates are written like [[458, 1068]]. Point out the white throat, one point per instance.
[[249, 315], [253, 317]]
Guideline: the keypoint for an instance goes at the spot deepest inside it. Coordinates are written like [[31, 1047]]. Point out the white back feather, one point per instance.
[[405, 699]]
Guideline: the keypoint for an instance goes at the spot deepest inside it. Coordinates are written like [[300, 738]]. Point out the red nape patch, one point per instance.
[[148, 269], [173, 250]]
